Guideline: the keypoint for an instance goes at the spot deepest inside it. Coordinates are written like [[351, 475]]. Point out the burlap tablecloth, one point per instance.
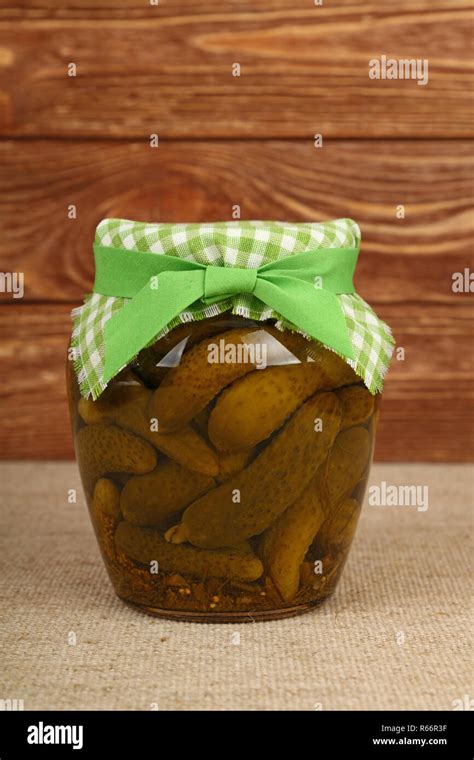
[[395, 635]]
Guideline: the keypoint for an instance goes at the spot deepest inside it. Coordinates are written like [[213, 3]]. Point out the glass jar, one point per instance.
[[225, 470]]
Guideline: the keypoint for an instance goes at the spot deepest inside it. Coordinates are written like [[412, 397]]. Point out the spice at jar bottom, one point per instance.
[[224, 465]]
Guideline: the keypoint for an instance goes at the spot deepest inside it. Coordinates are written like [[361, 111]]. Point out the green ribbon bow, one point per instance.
[[301, 287]]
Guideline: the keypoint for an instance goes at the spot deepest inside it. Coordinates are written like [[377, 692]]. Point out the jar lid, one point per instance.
[[198, 256]]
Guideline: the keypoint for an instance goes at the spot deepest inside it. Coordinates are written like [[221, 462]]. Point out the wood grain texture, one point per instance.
[[246, 141], [129, 9], [120, 9], [34, 422], [402, 260], [428, 404], [304, 70]]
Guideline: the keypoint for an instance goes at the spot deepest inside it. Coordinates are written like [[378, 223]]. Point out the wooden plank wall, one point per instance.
[[248, 140]]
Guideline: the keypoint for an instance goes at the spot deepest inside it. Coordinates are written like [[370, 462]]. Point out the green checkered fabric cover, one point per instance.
[[248, 244]]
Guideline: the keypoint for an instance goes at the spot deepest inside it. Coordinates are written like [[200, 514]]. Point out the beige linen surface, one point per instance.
[[395, 635]]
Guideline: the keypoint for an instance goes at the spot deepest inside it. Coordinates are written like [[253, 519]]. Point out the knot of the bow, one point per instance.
[[222, 282]]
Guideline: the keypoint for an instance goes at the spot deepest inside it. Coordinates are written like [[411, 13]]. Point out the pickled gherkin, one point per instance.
[[252, 408], [106, 448], [287, 541], [339, 528], [126, 404], [146, 545], [357, 405], [169, 488], [188, 388], [248, 503]]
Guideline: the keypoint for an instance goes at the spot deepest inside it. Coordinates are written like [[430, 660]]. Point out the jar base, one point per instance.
[[255, 616]]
